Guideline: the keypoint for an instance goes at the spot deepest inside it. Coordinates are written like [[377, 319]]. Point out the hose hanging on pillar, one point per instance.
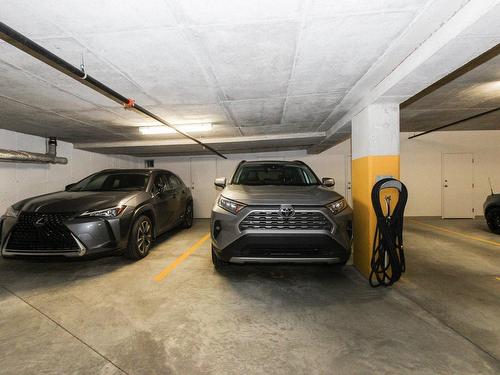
[[388, 260]]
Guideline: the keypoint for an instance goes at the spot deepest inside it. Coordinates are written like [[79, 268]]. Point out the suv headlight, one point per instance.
[[108, 212], [11, 212], [230, 205], [337, 206]]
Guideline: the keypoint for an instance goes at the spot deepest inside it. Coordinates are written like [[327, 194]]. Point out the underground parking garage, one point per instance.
[[293, 187]]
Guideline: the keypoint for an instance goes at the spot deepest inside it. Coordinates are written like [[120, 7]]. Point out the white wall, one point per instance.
[[421, 167], [331, 163], [20, 180]]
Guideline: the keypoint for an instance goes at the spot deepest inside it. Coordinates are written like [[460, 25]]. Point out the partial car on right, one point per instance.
[[492, 212]]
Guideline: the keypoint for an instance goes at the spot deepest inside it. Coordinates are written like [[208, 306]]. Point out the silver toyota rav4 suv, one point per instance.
[[276, 211]]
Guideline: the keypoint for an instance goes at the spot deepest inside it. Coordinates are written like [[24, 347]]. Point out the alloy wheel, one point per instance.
[[144, 237], [189, 215]]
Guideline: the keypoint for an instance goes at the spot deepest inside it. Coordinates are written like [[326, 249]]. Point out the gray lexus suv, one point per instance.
[[275, 211], [112, 210]]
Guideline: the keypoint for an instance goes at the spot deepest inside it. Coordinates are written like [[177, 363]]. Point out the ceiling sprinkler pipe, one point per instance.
[[33, 157], [27, 45]]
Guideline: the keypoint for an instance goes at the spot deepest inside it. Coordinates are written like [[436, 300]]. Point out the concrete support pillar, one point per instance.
[[375, 154]]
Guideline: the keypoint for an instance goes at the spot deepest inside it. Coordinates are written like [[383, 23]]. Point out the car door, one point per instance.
[[180, 195], [162, 202], [171, 195]]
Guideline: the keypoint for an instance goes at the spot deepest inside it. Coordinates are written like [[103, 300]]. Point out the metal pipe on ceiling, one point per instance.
[[454, 123], [34, 157], [27, 45]]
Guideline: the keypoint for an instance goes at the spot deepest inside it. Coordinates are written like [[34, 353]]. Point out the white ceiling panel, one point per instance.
[[329, 8], [24, 17], [310, 109], [72, 51], [250, 67], [17, 85], [203, 12], [160, 62], [247, 61], [189, 114], [98, 16], [335, 53], [257, 112]]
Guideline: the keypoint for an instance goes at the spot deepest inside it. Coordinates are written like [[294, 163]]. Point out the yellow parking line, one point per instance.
[[166, 271], [455, 233]]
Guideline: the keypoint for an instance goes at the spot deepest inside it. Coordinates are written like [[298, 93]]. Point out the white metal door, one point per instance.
[[203, 174], [457, 186]]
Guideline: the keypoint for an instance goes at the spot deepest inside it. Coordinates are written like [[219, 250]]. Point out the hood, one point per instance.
[[76, 201], [275, 195]]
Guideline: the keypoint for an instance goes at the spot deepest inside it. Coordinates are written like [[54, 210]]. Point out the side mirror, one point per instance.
[[220, 182], [68, 187], [328, 181]]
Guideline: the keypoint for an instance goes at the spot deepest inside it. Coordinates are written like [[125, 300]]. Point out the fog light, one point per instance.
[[217, 228]]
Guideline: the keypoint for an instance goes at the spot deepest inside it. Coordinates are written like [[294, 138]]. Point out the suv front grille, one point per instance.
[[271, 220], [41, 232]]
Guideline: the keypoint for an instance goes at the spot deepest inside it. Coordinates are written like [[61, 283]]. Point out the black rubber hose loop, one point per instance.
[[388, 260]]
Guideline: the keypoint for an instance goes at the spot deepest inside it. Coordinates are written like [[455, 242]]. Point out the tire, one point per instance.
[[218, 263], [493, 219], [141, 238], [187, 221], [338, 267]]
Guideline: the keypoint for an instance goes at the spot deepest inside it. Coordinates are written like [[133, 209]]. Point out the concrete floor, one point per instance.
[[109, 316]]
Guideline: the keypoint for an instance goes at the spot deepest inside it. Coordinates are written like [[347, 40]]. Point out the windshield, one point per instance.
[[274, 174], [113, 181]]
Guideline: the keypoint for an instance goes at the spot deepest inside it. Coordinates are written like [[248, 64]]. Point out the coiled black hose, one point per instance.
[[388, 260]]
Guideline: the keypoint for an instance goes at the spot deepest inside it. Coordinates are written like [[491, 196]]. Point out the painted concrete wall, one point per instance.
[[421, 166], [19, 180], [331, 163]]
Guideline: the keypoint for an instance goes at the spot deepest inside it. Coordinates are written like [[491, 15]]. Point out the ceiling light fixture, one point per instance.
[[188, 128]]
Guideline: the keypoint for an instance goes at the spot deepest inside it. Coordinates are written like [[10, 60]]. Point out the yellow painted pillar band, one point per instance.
[[364, 175]]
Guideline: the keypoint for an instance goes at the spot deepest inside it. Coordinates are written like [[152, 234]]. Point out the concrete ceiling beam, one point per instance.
[[436, 57]]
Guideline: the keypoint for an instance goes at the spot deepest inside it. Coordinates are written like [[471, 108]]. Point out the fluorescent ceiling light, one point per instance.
[[187, 128]]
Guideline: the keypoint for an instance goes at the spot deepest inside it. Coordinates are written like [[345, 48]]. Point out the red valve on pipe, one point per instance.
[[129, 104]]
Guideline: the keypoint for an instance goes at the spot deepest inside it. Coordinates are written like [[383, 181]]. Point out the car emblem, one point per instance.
[[287, 211], [41, 221]]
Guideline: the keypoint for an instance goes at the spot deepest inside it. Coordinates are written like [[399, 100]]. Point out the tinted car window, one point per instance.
[[173, 181], [160, 183], [274, 174], [113, 181]]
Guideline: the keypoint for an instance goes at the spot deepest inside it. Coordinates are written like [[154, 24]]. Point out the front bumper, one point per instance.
[[91, 236], [234, 245]]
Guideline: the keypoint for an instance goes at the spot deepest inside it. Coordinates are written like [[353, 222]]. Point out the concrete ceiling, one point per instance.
[[253, 68], [471, 90]]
